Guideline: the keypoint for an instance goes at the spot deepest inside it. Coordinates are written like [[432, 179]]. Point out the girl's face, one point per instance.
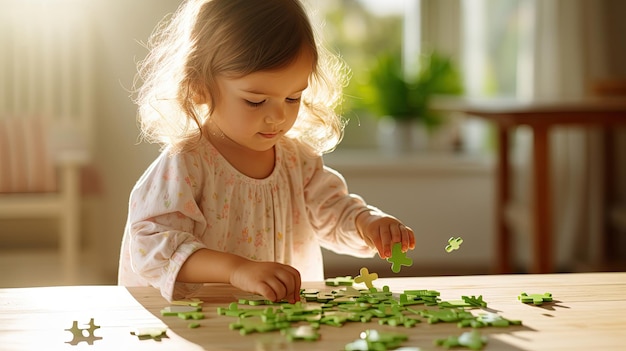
[[256, 110]]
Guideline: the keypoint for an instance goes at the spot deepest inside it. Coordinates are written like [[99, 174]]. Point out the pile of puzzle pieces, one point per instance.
[[346, 305]]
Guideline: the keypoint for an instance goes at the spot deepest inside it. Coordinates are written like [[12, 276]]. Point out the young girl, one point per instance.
[[243, 99]]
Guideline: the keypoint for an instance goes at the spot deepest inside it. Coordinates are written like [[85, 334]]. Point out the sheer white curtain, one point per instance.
[[566, 44], [544, 49]]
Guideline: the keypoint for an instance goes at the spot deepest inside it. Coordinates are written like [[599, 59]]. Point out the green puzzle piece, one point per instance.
[[454, 244], [366, 277], [536, 299], [472, 340], [398, 258]]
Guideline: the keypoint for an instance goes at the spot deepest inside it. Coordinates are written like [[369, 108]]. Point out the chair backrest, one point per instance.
[[46, 90]]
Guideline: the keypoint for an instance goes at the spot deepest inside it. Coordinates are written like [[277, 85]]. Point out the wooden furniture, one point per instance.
[[46, 116], [589, 313], [541, 116]]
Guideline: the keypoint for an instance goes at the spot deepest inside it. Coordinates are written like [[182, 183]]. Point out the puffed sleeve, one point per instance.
[[165, 222], [333, 210]]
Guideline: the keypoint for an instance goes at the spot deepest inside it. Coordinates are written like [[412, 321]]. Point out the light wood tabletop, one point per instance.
[[588, 313]]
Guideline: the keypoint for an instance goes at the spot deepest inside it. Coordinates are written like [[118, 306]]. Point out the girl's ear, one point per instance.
[[200, 94]]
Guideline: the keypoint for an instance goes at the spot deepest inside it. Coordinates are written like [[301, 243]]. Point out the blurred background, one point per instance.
[[70, 153]]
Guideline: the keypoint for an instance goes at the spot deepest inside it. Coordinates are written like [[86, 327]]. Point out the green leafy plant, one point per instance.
[[389, 93]]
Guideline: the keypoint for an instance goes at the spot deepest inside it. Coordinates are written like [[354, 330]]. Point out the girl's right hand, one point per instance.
[[274, 281]]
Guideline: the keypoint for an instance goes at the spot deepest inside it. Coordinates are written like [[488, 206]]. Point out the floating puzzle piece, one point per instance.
[[472, 340], [79, 336], [366, 277], [347, 281], [536, 299], [398, 258], [454, 244]]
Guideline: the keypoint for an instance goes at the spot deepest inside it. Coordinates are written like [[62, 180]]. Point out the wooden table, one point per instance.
[[589, 313], [540, 116]]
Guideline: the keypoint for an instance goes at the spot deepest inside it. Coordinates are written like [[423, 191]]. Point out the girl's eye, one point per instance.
[[294, 100], [255, 104]]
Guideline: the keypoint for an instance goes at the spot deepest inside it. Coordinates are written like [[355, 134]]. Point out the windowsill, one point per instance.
[[375, 161]]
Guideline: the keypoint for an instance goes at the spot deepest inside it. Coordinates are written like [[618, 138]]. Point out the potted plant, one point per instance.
[[401, 102]]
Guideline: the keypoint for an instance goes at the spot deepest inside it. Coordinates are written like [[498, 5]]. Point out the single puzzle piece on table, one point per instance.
[[398, 258], [472, 340], [466, 302], [445, 315], [154, 333], [399, 319], [250, 325], [427, 297], [191, 302], [454, 244], [233, 310], [337, 281], [303, 332], [488, 320], [373, 340], [178, 309], [535, 299], [79, 335], [366, 277]]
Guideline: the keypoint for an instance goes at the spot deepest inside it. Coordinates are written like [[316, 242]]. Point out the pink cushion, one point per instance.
[[26, 165]]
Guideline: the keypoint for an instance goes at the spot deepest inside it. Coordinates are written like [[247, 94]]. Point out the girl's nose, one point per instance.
[[276, 116]]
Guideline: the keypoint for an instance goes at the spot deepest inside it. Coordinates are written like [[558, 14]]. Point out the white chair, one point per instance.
[[46, 116]]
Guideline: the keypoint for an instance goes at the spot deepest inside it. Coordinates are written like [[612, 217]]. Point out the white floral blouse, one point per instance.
[[197, 199]]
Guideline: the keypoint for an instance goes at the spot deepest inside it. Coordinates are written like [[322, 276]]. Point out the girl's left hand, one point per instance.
[[382, 231]]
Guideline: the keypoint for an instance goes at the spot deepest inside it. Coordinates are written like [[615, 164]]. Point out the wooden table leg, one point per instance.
[[503, 237], [542, 208]]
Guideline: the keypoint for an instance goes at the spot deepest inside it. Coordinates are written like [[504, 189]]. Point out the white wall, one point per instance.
[[119, 26]]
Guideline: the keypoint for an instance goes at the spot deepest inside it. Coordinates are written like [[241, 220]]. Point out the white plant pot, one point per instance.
[[401, 136]]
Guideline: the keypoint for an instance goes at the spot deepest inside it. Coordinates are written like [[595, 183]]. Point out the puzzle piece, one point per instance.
[[398, 258], [472, 340], [375, 340], [178, 309], [467, 301], [427, 297], [256, 324], [488, 320], [399, 319], [366, 277], [536, 299], [79, 336], [445, 315], [454, 244], [155, 333], [303, 332], [347, 281], [190, 302]]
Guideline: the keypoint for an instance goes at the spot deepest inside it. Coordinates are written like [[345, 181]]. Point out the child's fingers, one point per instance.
[[408, 239], [385, 236], [396, 233]]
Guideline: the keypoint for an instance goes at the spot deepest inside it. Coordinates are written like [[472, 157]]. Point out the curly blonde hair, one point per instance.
[[204, 39]]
